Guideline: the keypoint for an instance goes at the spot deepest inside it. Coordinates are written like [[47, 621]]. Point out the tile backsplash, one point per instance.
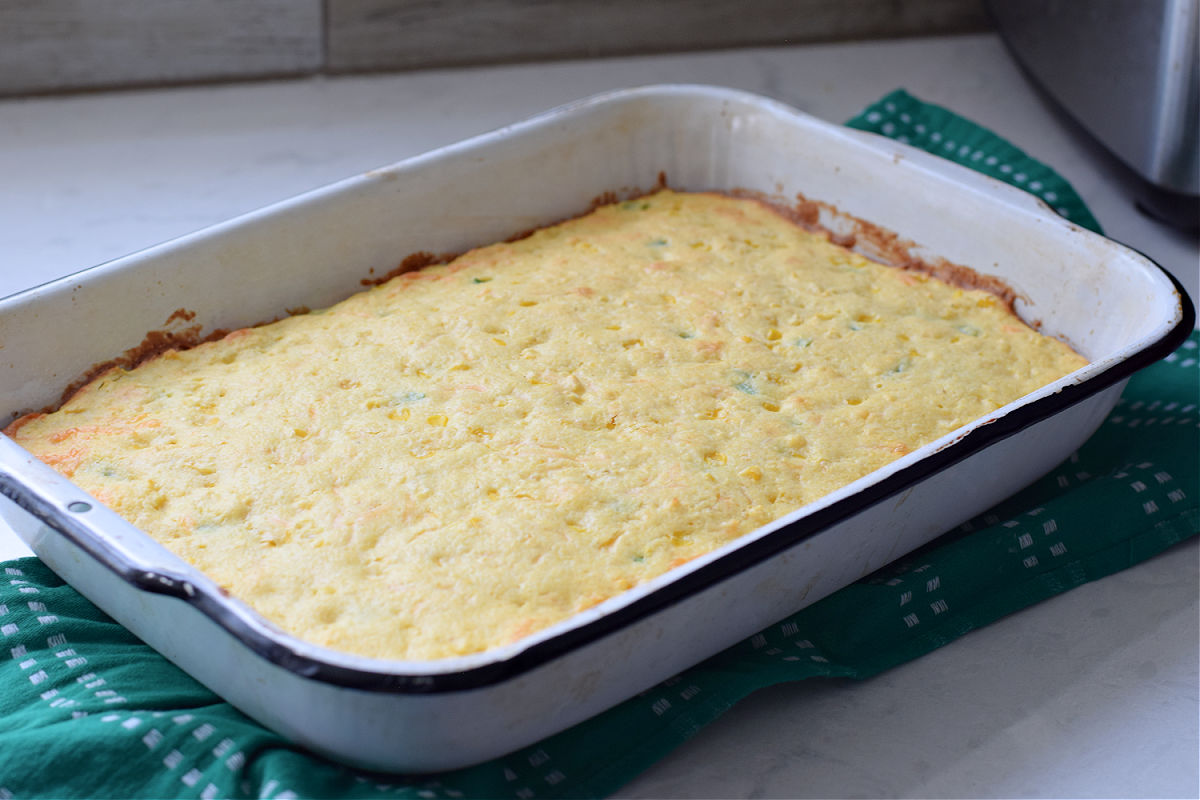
[[70, 45]]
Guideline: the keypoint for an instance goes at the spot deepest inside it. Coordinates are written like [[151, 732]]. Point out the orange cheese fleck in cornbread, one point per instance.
[[474, 451]]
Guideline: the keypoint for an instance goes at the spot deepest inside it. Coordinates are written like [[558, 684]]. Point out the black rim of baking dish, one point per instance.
[[736, 561]]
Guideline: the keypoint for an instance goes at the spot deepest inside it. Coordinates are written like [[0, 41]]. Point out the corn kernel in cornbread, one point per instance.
[[474, 451]]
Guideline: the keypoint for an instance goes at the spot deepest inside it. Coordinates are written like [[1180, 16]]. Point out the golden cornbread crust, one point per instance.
[[471, 452]]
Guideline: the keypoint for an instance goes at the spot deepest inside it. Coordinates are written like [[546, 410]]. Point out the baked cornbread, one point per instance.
[[473, 451]]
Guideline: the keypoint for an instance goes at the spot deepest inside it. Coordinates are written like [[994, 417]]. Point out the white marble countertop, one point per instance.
[[1093, 693]]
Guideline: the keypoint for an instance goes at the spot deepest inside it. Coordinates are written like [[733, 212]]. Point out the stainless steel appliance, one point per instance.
[[1128, 72]]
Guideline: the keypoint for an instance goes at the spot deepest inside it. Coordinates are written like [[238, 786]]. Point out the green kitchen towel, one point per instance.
[[87, 710]]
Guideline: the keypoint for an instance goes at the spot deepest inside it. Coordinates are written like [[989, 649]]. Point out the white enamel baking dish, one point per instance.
[[1113, 305]]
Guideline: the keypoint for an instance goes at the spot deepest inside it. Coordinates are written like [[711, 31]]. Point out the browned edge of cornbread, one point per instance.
[[865, 238]]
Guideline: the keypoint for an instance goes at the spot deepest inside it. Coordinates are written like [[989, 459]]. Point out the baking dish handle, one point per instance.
[[46, 497]]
